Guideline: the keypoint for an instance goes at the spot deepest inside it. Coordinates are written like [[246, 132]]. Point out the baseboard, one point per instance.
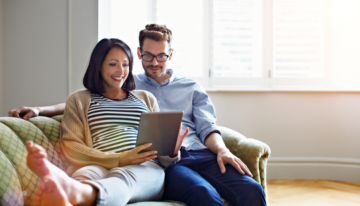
[[338, 169]]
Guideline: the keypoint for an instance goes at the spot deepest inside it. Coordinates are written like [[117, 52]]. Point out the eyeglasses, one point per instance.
[[159, 58]]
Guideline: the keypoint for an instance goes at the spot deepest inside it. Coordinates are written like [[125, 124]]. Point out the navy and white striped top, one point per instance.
[[114, 123]]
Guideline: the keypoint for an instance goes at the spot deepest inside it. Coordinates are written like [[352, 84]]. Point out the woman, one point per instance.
[[98, 133]]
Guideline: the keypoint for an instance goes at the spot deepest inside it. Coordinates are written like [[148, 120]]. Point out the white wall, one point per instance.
[[35, 52], [45, 43], [311, 135], [84, 34]]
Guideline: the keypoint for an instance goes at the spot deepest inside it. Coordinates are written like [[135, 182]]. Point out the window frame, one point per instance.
[[267, 82]]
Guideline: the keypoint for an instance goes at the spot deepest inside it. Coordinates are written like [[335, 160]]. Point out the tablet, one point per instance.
[[161, 129]]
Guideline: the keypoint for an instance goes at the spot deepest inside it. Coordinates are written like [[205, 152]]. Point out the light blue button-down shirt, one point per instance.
[[183, 94]]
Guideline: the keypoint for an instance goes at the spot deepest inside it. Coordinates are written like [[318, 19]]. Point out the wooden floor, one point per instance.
[[312, 192]]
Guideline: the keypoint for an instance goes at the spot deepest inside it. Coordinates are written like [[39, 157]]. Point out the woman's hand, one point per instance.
[[24, 112], [133, 157], [180, 140]]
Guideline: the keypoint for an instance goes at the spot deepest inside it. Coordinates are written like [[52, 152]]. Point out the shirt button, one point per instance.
[[158, 101], [157, 87]]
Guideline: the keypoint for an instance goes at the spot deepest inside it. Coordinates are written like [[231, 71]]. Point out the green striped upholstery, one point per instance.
[[18, 183], [14, 149], [10, 186], [51, 129]]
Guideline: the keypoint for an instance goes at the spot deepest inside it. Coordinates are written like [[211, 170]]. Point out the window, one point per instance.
[[249, 44]]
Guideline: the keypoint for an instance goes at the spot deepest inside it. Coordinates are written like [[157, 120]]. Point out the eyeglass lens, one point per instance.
[[149, 58]]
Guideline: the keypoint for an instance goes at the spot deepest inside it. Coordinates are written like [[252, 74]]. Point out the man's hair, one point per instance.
[[92, 79], [155, 32]]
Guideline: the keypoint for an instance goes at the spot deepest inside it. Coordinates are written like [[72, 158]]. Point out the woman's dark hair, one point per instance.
[[92, 78]]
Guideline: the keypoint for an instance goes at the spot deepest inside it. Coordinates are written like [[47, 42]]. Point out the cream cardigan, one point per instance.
[[76, 137]]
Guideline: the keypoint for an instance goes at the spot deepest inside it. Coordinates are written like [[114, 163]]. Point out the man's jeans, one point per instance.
[[196, 180]]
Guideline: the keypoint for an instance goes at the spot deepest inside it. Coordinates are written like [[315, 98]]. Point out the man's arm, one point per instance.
[[205, 118], [216, 144], [28, 112]]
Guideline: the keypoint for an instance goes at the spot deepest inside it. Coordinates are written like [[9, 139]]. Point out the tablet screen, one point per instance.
[[161, 129]]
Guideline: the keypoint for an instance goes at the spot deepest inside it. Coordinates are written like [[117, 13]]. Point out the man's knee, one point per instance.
[[256, 188], [203, 191], [203, 195], [254, 195]]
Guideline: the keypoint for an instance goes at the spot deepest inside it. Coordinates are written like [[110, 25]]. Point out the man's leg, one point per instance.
[[183, 184], [234, 187]]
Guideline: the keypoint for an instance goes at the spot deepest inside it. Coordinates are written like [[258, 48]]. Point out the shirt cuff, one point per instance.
[[166, 161], [203, 135]]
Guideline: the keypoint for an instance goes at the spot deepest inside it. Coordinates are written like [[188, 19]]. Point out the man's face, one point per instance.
[[155, 69]]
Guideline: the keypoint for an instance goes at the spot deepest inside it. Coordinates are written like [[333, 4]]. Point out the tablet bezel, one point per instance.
[[161, 129]]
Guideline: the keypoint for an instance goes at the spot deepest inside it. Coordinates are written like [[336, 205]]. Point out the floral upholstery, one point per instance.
[[17, 182]]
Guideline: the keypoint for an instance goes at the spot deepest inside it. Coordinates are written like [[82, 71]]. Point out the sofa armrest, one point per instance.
[[57, 117], [253, 153]]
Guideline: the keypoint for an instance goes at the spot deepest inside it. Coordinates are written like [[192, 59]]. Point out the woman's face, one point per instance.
[[115, 69]]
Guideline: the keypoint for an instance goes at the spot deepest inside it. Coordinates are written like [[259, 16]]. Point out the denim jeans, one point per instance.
[[196, 180]]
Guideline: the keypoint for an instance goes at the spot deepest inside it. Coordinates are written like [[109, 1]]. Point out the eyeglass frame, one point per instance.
[[167, 56]]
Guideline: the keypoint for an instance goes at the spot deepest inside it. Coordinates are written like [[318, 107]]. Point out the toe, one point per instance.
[[37, 196], [35, 149], [38, 148], [29, 146], [40, 154], [50, 184], [40, 189]]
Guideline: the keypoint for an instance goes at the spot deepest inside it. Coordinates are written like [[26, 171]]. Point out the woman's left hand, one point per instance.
[[180, 139]]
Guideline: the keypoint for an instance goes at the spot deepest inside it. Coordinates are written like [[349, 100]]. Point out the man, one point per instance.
[[207, 170]]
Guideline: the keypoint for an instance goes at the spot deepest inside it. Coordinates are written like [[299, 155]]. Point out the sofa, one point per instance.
[[18, 183]]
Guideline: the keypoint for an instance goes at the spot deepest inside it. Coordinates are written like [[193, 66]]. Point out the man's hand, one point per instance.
[[133, 157], [24, 112], [226, 157], [180, 140]]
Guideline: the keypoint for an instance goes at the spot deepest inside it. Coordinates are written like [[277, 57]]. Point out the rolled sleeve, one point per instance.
[[204, 114], [206, 133]]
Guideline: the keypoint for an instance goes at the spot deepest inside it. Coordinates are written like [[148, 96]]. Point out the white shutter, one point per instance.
[[237, 44], [249, 44], [345, 41], [185, 19], [299, 43], [124, 20]]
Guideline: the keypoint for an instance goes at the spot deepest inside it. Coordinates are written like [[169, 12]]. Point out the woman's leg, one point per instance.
[[118, 186], [111, 190], [122, 185], [91, 172], [53, 193], [68, 190], [145, 182]]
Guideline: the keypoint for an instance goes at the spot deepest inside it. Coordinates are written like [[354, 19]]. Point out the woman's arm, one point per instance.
[[28, 112], [76, 137], [77, 141]]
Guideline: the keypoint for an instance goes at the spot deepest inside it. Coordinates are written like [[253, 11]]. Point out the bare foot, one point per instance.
[[50, 192], [77, 193]]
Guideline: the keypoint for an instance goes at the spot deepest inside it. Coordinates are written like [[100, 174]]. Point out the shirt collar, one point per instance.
[[168, 81]]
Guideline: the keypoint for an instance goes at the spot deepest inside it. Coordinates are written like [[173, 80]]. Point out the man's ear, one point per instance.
[[172, 51], [138, 52]]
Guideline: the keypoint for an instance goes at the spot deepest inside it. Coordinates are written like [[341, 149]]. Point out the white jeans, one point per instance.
[[122, 185]]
